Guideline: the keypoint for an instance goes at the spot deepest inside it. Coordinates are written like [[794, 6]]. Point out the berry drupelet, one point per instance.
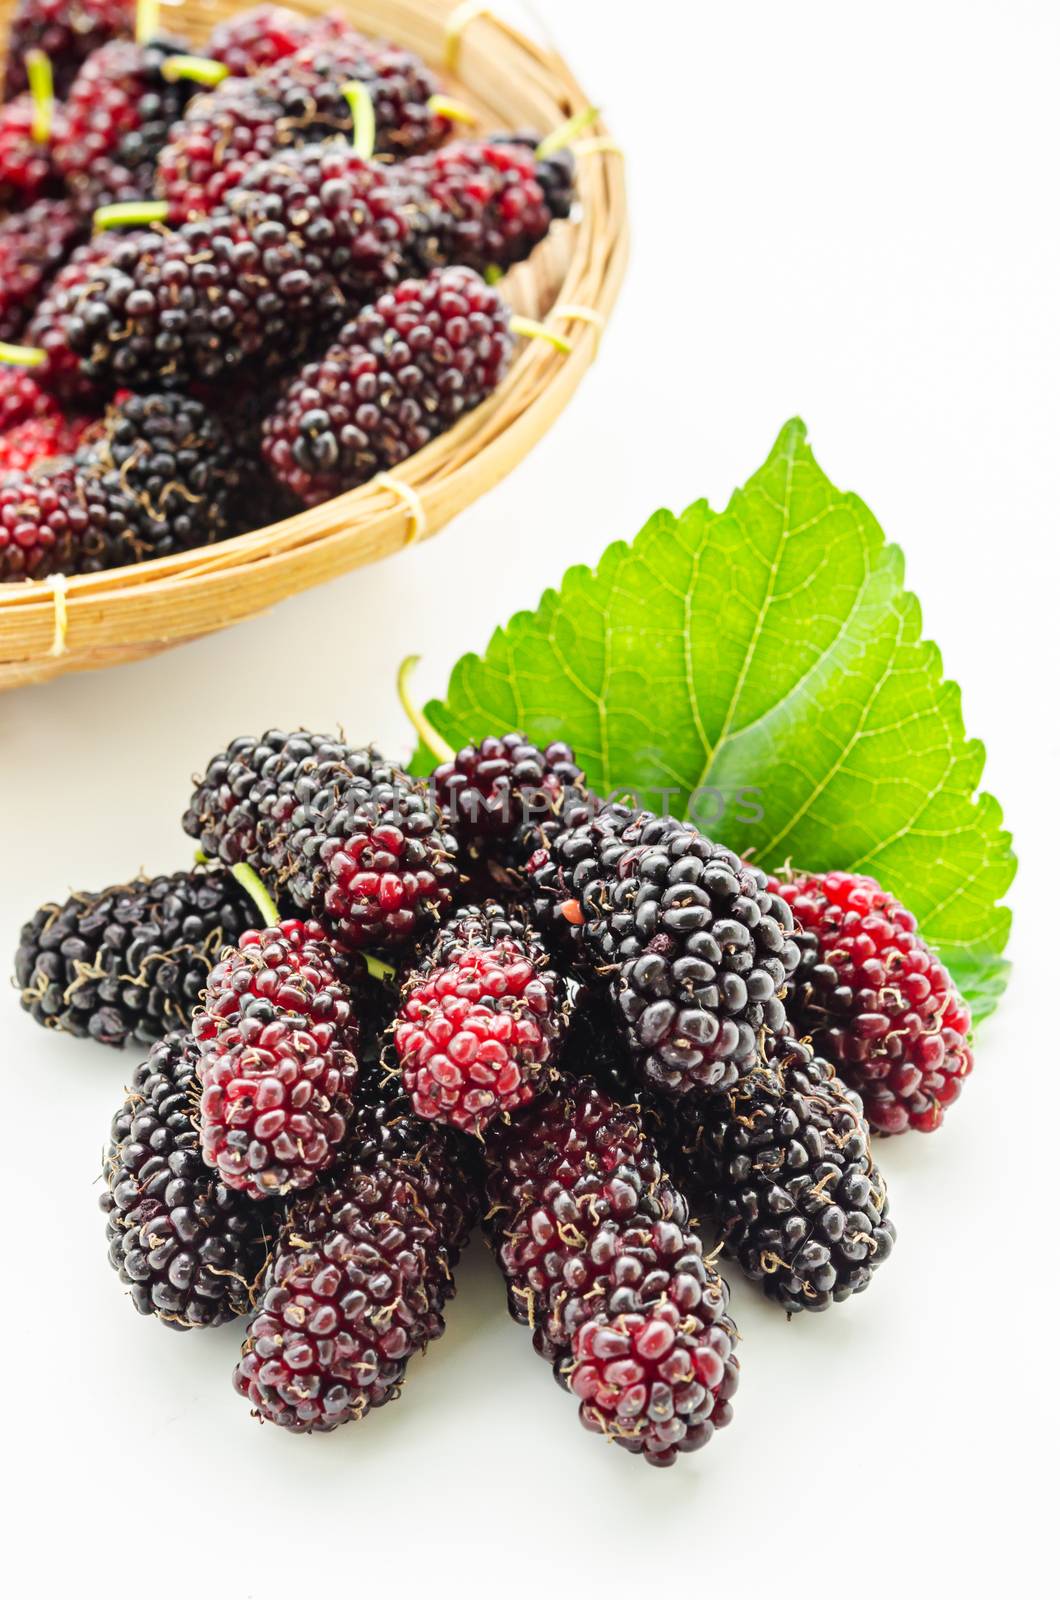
[[354, 842], [783, 1166], [129, 963], [876, 1000], [491, 200], [67, 31], [190, 1248], [33, 246], [259, 37], [593, 1240], [299, 101], [693, 947], [479, 1021], [506, 799], [360, 1275], [277, 1040], [405, 370], [115, 120]]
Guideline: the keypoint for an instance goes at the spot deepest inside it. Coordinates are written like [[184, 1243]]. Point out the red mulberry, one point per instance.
[[479, 1021], [877, 1001], [277, 1037]]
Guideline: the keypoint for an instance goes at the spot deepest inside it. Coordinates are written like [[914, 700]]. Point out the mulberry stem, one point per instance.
[[527, 328], [248, 879], [22, 355], [130, 213], [363, 114], [195, 69], [453, 110], [567, 132], [42, 93], [440, 750], [148, 17]]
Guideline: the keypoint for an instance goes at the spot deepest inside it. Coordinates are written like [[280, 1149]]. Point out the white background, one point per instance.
[[841, 210]]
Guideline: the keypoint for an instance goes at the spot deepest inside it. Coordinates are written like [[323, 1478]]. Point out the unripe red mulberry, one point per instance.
[[278, 1070], [479, 1021]]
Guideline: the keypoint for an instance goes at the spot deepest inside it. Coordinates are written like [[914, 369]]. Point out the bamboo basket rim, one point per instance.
[[571, 282]]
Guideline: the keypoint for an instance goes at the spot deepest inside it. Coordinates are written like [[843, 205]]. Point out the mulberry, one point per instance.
[[40, 439], [259, 37], [168, 310], [693, 947], [129, 964], [401, 373], [360, 1277], [276, 1037], [22, 399], [67, 31], [782, 1164], [189, 1248], [506, 799], [876, 1000], [159, 477], [296, 102], [115, 120], [593, 1241], [479, 1021], [354, 842], [27, 172], [491, 200], [42, 523], [60, 371], [33, 245]]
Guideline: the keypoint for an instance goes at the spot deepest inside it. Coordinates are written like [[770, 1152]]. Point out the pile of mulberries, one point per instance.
[[286, 217], [386, 1009]]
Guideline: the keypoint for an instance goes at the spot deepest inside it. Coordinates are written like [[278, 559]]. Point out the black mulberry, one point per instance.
[[189, 1248], [129, 964]]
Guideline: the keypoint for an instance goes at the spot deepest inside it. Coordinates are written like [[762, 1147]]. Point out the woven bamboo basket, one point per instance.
[[570, 283]]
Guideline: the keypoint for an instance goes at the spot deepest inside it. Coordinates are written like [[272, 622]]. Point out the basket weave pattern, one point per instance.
[[570, 283]]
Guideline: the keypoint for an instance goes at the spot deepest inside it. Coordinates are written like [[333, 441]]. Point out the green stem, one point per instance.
[[248, 879], [22, 355], [452, 110], [363, 113], [130, 214], [148, 17], [42, 93], [567, 131], [195, 69], [527, 328], [379, 970], [430, 736]]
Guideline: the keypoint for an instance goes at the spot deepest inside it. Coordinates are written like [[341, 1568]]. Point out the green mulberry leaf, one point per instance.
[[761, 670]]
